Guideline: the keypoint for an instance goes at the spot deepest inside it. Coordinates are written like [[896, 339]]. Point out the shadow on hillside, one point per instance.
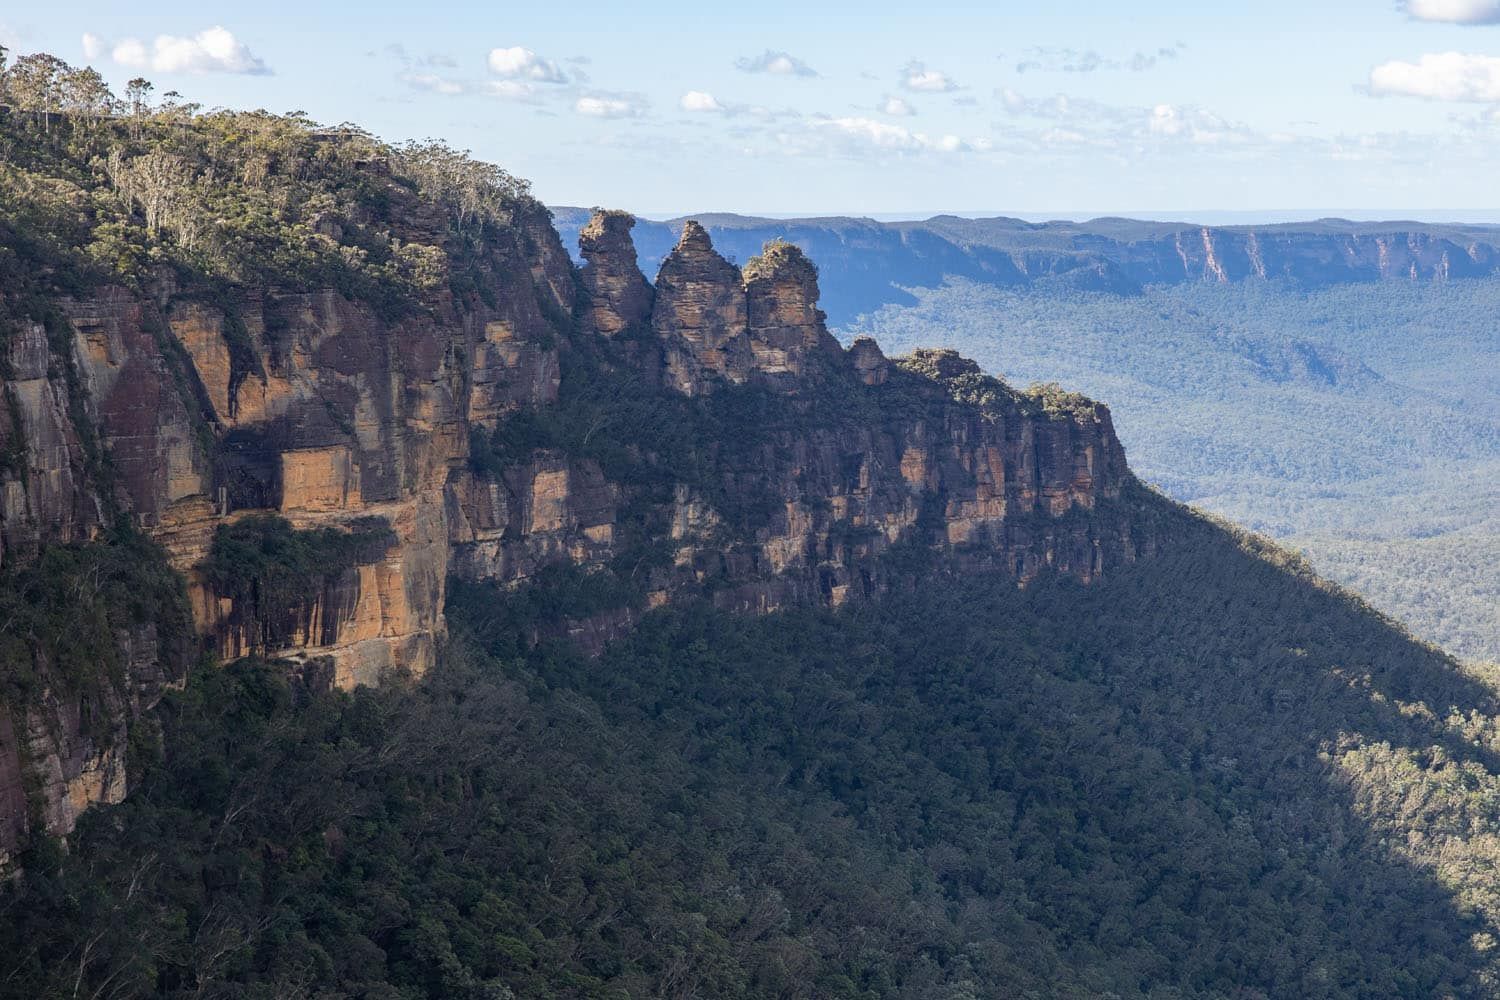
[[1204, 776], [1322, 727], [1210, 773]]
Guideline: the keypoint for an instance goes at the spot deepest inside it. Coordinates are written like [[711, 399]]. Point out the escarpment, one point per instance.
[[730, 448], [702, 438]]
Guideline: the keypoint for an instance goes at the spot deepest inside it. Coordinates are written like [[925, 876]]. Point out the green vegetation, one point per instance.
[[62, 616], [773, 258], [966, 791], [274, 573], [96, 189], [1360, 423]]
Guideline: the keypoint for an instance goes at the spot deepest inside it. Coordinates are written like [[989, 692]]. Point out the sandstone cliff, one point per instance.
[[703, 438]]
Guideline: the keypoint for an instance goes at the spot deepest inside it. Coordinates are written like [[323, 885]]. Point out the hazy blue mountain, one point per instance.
[[867, 264]]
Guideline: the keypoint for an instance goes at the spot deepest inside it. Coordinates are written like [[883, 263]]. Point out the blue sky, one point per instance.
[[867, 108]]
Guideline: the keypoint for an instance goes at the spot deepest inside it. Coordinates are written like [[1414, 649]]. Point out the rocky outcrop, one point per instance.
[[312, 406], [809, 470], [863, 456], [44, 495], [701, 316], [869, 361], [550, 509], [206, 416], [619, 298], [718, 323], [787, 331]]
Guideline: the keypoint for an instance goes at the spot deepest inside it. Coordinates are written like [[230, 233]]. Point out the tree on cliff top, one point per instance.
[[104, 190]]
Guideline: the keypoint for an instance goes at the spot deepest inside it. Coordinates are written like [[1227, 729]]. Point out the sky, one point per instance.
[[1063, 109]]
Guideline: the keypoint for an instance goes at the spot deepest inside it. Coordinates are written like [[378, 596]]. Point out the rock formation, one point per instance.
[[869, 361], [619, 297], [812, 465], [786, 326], [700, 315]]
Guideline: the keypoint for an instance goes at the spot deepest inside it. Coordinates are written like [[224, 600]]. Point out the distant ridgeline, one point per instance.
[[866, 264]]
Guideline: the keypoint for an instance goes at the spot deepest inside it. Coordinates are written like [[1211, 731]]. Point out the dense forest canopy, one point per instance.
[[1211, 775], [95, 187]]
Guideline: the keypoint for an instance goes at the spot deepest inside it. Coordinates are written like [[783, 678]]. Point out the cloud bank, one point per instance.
[[1455, 11], [214, 50], [775, 63], [520, 63], [854, 134], [1445, 76]]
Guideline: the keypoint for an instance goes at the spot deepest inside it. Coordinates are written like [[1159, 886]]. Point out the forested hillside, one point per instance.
[[1358, 423], [1207, 776]]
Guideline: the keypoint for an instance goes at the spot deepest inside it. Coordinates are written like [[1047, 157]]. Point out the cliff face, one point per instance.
[[805, 465], [1309, 258], [800, 473]]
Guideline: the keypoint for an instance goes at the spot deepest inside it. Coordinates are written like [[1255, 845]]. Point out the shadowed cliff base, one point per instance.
[[1174, 782]]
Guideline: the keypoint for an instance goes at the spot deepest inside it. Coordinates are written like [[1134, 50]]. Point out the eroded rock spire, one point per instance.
[[619, 295]]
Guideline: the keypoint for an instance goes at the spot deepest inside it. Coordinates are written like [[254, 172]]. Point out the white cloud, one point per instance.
[[883, 136], [1166, 119], [1446, 76], [510, 90], [434, 83], [777, 63], [1073, 61], [698, 100], [896, 106], [214, 50], [607, 107], [1195, 125], [916, 76], [1455, 11], [520, 63]]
